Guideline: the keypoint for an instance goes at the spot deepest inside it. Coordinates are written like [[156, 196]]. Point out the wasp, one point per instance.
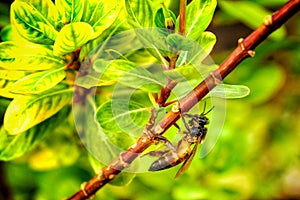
[[194, 135]]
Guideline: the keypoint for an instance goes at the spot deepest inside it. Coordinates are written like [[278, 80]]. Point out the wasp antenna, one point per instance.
[[209, 110], [204, 107]]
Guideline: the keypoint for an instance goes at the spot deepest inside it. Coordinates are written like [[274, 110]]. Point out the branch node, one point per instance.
[[217, 81], [268, 21], [123, 163], [241, 43], [144, 140], [100, 175], [175, 107], [133, 146], [82, 188], [251, 53], [158, 129], [111, 176]]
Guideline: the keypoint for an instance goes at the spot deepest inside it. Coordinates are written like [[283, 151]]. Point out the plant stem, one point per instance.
[[182, 17], [245, 49]]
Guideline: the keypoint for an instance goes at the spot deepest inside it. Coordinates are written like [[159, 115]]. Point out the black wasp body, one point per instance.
[[195, 134]]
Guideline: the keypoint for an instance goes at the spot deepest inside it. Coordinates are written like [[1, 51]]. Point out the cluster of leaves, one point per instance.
[[37, 51], [46, 42]]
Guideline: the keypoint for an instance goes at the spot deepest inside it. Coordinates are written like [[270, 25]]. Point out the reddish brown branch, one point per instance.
[[182, 17], [244, 50]]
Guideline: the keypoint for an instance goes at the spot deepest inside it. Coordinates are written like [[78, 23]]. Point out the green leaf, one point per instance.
[[90, 81], [35, 20], [159, 19], [251, 14], [71, 10], [25, 112], [179, 42], [207, 41], [230, 91], [199, 14], [200, 50], [189, 72], [71, 37], [122, 116], [141, 57], [192, 52], [154, 39], [6, 33], [101, 14], [12, 147], [116, 27], [128, 74], [139, 13], [38, 82], [114, 70], [164, 18], [140, 78], [29, 57]]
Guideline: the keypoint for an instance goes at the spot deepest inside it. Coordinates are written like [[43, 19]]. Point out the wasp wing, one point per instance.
[[188, 160]]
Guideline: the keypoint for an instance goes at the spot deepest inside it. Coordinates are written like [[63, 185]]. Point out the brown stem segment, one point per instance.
[[244, 50], [182, 17]]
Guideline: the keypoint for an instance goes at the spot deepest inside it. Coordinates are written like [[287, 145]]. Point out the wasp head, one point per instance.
[[202, 120], [198, 121]]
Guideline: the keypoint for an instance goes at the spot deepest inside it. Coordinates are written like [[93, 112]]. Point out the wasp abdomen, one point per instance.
[[168, 160], [172, 158]]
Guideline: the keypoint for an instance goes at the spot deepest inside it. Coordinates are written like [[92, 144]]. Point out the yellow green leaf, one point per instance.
[[101, 14], [71, 37], [13, 146], [71, 10], [38, 82], [28, 57], [140, 13], [198, 16], [24, 112], [35, 20], [4, 92], [11, 74]]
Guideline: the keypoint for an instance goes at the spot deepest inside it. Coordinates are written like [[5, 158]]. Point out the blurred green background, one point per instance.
[[257, 154]]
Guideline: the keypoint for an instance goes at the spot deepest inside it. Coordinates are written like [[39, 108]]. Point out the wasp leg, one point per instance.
[[160, 138], [182, 118], [184, 122], [156, 153], [177, 126]]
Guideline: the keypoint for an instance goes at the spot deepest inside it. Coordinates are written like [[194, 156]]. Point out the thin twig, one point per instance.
[[245, 49]]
